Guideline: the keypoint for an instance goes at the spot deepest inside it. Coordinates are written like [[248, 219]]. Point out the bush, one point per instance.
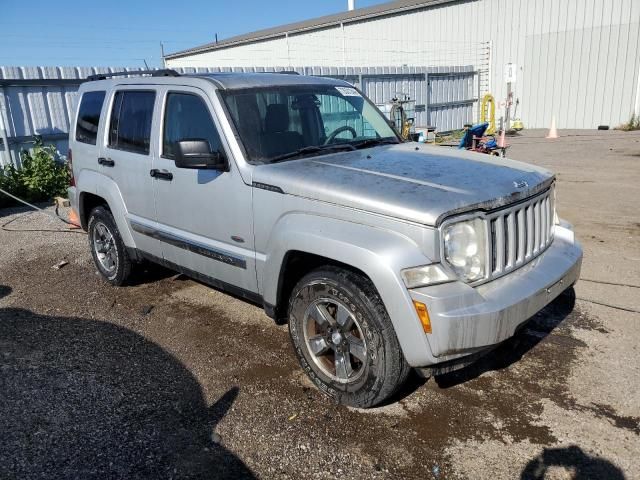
[[632, 124], [39, 179]]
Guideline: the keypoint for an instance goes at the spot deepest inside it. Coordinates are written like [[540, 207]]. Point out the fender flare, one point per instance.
[[380, 253], [93, 182]]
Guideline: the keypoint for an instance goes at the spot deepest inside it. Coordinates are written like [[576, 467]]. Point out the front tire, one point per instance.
[[344, 339], [107, 248]]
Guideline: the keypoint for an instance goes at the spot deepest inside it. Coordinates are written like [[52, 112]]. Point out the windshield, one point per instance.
[[288, 122]]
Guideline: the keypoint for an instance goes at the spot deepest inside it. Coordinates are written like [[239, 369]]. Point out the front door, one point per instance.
[[204, 215], [127, 157]]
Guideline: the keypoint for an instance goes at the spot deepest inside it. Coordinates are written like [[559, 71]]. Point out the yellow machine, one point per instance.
[[488, 98], [517, 124]]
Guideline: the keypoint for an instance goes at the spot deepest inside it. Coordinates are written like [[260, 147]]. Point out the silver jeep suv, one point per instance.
[[294, 193]]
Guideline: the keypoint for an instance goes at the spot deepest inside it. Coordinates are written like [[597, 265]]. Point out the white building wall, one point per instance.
[[577, 59]]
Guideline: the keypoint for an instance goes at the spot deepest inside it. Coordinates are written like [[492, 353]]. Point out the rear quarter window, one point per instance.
[[88, 119]]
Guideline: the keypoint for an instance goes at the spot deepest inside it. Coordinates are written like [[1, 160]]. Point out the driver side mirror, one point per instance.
[[196, 153]]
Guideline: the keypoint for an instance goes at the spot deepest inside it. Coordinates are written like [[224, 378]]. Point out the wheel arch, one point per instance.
[[87, 201], [95, 189], [295, 265], [305, 242]]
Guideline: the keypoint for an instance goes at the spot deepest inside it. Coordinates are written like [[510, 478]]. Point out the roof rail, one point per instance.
[[163, 72]]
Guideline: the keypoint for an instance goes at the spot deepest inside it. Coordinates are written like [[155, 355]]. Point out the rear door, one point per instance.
[[127, 157]]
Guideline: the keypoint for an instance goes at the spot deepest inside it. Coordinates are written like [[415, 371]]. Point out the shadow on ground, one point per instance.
[[572, 459], [146, 273], [88, 399]]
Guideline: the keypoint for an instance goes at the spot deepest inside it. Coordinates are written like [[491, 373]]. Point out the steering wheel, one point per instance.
[[345, 128]]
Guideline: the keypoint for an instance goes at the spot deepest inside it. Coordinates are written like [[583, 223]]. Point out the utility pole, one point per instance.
[[164, 64]]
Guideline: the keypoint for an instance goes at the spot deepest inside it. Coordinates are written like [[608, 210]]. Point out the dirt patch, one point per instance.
[[192, 381], [236, 347]]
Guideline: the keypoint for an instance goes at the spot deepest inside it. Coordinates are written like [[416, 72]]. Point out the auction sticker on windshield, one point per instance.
[[348, 91]]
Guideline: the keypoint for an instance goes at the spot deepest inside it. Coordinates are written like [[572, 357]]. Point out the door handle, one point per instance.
[[107, 162], [163, 174]]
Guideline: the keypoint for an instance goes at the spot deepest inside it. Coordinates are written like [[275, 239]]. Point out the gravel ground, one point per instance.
[[167, 378]]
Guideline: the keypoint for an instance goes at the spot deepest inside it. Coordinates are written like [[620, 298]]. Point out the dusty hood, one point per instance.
[[422, 185]]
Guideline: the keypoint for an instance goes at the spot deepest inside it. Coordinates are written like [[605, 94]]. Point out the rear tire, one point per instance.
[[344, 338], [107, 248]]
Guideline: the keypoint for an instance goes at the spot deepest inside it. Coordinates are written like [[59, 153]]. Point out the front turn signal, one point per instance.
[[423, 315]]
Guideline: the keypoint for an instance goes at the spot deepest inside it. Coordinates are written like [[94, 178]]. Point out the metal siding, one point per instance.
[[584, 68], [48, 109], [40, 110]]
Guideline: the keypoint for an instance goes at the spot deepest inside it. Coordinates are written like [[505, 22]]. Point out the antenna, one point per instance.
[[216, 38], [145, 64], [164, 63]]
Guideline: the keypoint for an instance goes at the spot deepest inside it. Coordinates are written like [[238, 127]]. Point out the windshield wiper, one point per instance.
[[374, 142], [301, 152]]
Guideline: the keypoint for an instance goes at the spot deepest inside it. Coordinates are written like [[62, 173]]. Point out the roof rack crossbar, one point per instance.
[[163, 72]]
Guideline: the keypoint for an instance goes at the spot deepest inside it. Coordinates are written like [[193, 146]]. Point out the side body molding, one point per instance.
[[380, 253]]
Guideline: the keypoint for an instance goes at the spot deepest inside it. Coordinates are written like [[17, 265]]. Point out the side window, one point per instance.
[[89, 117], [187, 117], [131, 117]]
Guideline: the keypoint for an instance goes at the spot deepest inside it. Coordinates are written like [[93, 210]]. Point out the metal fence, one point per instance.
[[41, 100]]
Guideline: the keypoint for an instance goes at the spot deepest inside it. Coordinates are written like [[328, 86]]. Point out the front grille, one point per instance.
[[520, 233]]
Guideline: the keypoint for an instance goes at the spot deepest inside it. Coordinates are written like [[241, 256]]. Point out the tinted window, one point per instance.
[[131, 117], [187, 117], [89, 117]]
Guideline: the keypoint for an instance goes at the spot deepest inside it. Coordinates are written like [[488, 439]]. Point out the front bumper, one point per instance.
[[465, 320]]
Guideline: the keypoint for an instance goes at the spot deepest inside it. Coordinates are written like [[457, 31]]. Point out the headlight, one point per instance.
[[425, 275], [465, 249]]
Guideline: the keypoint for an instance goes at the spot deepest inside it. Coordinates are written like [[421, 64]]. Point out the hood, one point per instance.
[[418, 183]]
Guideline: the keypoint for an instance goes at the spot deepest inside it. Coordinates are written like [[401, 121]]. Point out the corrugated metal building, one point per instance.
[[576, 59]]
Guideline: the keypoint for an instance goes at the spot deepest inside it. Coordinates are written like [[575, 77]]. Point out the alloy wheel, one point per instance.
[[105, 247], [334, 340]]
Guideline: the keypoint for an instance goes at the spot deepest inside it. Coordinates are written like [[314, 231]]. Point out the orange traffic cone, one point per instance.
[[553, 132], [74, 219]]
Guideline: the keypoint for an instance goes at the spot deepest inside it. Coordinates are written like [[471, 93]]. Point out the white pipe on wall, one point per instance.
[[636, 109], [5, 158]]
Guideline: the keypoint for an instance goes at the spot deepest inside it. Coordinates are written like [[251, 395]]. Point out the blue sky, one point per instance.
[[125, 33]]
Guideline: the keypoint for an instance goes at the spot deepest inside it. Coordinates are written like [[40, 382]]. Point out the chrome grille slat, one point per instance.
[[549, 220], [545, 225], [522, 236], [511, 240], [536, 227], [529, 212], [519, 233], [499, 245]]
